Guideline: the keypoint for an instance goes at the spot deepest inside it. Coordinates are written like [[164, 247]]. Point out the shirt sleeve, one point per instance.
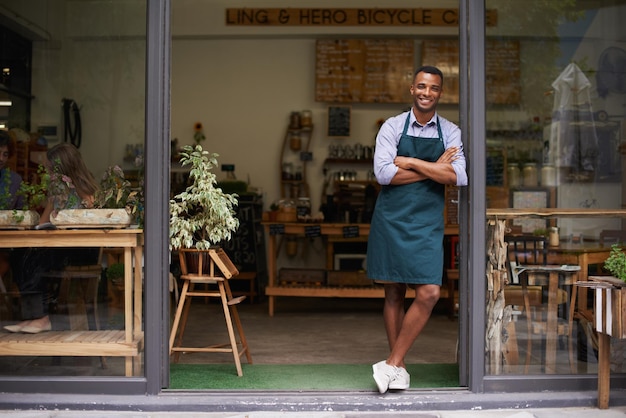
[[386, 151], [452, 138]]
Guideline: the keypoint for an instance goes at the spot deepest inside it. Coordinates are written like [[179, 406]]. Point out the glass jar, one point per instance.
[[548, 175], [553, 237], [287, 171], [530, 175], [295, 142], [306, 119], [294, 120], [513, 175], [303, 207]]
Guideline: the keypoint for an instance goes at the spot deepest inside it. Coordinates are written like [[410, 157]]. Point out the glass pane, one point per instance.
[[84, 84], [555, 111]]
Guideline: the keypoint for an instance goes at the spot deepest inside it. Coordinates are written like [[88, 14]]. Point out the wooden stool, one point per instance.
[[194, 269], [250, 277]]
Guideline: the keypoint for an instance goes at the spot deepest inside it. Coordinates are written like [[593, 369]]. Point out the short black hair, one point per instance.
[[430, 70]]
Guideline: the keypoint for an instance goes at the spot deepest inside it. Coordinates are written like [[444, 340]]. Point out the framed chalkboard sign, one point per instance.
[[364, 70], [339, 121]]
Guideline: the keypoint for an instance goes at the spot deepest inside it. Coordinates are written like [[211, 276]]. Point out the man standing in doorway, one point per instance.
[[417, 153]]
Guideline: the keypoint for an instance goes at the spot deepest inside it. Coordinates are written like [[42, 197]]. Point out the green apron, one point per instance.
[[405, 243]]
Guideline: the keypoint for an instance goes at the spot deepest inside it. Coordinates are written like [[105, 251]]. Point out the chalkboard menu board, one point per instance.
[[339, 121], [364, 70], [496, 167], [246, 248], [502, 68]]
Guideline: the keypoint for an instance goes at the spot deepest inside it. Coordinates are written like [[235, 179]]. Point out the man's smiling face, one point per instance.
[[426, 91]]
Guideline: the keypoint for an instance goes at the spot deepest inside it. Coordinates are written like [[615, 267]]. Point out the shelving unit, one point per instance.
[[295, 154]]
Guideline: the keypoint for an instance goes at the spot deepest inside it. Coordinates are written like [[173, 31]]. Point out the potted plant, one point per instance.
[[115, 289], [273, 212], [202, 215], [114, 206], [34, 197], [115, 274], [616, 263], [116, 192]]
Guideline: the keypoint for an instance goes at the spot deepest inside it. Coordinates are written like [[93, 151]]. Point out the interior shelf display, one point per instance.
[[295, 155]]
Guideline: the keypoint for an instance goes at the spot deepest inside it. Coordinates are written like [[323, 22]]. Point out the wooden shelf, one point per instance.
[[71, 343], [292, 187], [336, 292], [343, 161]]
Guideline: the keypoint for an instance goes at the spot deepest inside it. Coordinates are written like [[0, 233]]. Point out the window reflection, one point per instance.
[[91, 58], [557, 146]]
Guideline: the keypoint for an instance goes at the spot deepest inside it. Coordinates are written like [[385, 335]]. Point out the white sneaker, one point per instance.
[[402, 380], [390, 377]]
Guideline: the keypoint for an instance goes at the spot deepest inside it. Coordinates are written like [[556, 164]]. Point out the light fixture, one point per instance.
[[5, 98]]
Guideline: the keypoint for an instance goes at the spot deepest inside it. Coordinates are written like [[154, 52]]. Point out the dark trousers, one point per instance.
[[28, 266]]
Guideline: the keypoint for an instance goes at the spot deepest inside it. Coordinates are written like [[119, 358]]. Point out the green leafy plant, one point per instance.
[[62, 191], [35, 193], [202, 215], [115, 273], [5, 194], [616, 262], [117, 192]]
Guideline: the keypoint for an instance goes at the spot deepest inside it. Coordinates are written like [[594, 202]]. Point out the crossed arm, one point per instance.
[[412, 169]]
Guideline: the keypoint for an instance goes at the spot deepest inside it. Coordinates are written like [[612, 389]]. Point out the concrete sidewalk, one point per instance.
[[503, 413], [617, 412]]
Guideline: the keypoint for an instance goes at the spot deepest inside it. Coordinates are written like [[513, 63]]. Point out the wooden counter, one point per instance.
[[354, 232], [118, 343]]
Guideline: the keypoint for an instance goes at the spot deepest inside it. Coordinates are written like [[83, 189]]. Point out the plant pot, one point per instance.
[[91, 218], [18, 219], [191, 259]]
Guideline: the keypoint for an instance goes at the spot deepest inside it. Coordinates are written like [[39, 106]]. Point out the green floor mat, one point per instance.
[[303, 376]]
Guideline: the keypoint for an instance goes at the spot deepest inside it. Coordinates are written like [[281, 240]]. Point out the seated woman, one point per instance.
[[29, 264], [10, 181]]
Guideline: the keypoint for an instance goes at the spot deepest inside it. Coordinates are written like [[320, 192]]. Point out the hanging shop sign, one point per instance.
[[347, 17]]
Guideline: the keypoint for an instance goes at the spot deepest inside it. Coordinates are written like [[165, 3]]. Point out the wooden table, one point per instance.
[[554, 272], [120, 343], [583, 254], [344, 231], [274, 229]]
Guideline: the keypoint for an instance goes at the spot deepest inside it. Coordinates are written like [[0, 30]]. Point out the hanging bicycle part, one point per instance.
[[71, 119]]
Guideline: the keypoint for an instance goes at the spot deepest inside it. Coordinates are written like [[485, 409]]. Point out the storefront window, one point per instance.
[[555, 112], [85, 86]]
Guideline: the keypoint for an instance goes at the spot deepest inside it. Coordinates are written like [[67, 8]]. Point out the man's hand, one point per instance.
[[448, 155], [404, 162]]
